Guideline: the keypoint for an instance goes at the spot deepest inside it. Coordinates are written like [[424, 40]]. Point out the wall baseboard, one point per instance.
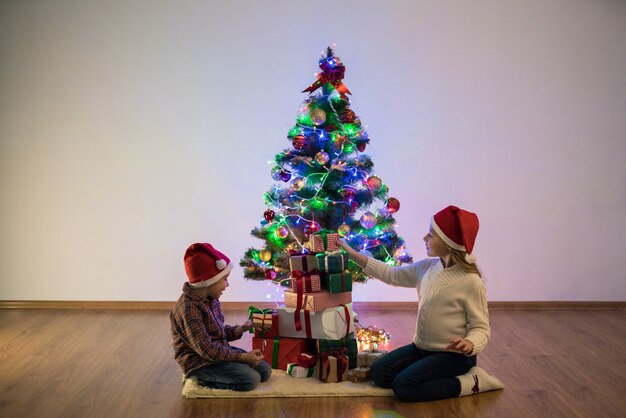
[[386, 306]]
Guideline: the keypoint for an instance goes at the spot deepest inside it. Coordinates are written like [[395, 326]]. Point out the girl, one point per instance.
[[453, 321]]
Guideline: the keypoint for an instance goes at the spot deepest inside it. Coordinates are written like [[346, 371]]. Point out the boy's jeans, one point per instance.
[[420, 375], [233, 375]]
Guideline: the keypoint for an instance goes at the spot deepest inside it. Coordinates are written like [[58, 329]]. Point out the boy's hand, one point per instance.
[[240, 329], [253, 358], [458, 344], [246, 326]]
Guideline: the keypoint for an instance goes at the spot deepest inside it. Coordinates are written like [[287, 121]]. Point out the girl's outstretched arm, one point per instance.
[[357, 257]]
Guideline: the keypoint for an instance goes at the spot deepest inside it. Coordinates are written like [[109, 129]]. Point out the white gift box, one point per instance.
[[299, 372], [327, 324]]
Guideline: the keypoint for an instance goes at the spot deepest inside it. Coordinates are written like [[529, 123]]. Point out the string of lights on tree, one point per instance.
[[324, 182]]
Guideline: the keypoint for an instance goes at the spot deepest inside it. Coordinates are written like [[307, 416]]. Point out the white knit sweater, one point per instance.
[[452, 303]]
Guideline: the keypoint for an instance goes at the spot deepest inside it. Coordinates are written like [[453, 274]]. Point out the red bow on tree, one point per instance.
[[332, 72]]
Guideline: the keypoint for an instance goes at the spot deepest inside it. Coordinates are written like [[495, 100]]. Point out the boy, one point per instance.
[[197, 324]]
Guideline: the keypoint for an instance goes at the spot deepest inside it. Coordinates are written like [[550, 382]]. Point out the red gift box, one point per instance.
[[280, 351]]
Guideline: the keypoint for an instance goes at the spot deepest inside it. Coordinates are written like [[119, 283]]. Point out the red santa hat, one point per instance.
[[205, 265], [457, 227]]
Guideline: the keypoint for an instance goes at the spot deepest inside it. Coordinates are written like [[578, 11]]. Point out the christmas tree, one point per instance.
[[324, 183]]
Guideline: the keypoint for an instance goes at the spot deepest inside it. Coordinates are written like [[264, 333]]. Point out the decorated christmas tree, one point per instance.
[[324, 183]]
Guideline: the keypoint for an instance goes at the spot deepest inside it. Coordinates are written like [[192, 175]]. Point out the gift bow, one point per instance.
[[252, 310], [306, 360]]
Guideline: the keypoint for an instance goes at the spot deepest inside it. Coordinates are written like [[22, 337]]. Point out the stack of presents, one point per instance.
[[313, 335]]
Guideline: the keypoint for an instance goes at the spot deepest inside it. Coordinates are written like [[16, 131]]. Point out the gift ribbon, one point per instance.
[[305, 265], [296, 313], [300, 284], [347, 316], [342, 366], [252, 310], [307, 323], [275, 354]]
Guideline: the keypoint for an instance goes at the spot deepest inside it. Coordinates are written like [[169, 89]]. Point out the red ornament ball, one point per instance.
[[361, 146], [270, 274], [312, 228], [348, 116], [284, 176], [374, 183], [348, 193], [299, 142], [393, 205], [269, 215]]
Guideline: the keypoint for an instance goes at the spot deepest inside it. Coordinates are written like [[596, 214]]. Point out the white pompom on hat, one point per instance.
[[457, 227], [205, 265]]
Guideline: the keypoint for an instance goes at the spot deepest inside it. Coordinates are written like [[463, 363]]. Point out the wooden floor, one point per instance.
[[108, 363]]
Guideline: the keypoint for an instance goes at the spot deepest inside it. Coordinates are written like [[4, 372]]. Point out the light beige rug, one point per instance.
[[281, 385]]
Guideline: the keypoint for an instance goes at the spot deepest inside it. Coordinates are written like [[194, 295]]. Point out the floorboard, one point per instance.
[[119, 363]]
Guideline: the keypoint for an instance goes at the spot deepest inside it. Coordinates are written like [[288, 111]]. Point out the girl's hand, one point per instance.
[[342, 244], [458, 344], [360, 259]]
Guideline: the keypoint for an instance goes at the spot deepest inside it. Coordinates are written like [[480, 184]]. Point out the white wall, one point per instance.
[[129, 130]]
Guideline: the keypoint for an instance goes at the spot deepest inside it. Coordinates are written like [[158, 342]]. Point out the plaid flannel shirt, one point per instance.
[[199, 334]]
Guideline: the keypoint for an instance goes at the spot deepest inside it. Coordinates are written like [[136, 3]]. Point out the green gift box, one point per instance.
[[349, 343], [338, 282], [332, 263]]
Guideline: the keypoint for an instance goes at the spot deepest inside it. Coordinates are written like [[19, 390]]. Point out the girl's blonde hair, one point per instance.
[[458, 258]]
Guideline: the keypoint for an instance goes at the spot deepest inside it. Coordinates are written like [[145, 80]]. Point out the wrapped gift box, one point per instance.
[[330, 368], [280, 351], [298, 372], [324, 242], [308, 282], [349, 344], [332, 323], [337, 282], [332, 263], [317, 301], [360, 374], [366, 358], [302, 262], [266, 319]]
